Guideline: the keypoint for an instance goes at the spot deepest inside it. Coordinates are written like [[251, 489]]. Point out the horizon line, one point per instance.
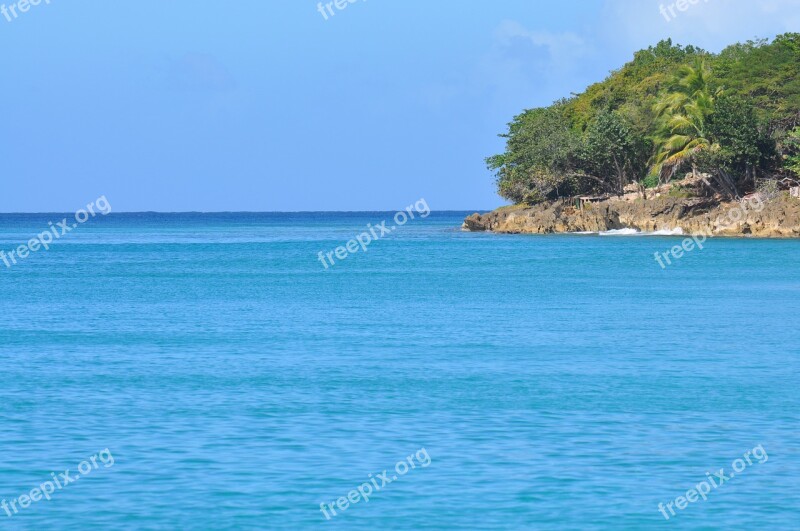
[[251, 211]]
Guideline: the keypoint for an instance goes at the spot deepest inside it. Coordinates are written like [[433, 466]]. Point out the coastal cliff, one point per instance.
[[776, 217], [611, 156]]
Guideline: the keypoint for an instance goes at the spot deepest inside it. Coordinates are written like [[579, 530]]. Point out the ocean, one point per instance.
[[208, 371]]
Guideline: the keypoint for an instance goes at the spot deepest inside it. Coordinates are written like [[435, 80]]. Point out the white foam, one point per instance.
[[620, 232], [631, 232], [668, 232]]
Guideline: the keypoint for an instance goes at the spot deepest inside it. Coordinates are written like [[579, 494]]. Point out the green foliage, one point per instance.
[[739, 133], [683, 113], [766, 74], [651, 181], [740, 146], [677, 191], [613, 148], [633, 89], [727, 114], [793, 151], [540, 158]]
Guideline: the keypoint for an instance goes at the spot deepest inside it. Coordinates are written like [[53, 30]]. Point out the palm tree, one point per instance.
[[683, 114], [793, 143]]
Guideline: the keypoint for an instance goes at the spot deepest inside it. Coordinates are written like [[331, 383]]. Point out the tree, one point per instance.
[[767, 74], [793, 151], [614, 151], [740, 146], [540, 158], [670, 96], [682, 116]]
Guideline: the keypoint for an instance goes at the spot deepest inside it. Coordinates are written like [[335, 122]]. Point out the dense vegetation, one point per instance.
[[732, 115]]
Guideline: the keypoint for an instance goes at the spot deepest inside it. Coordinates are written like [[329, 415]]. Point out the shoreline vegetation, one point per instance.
[[675, 140]]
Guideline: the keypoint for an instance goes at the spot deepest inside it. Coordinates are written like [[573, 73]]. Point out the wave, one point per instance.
[[631, 232], [620, 232], [667, 232]]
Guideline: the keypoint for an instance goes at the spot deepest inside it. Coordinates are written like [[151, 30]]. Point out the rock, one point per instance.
[[778, 217], [474, 223]]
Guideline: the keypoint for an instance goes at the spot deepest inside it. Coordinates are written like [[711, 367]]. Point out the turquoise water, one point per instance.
[[555, 382]]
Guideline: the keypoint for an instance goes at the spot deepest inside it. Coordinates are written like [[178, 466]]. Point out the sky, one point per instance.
[[271, 105]]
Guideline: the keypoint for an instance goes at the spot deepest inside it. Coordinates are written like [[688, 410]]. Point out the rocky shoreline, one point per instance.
[[774, 217]]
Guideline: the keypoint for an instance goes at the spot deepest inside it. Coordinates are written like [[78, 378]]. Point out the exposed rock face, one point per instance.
[[775, 218]]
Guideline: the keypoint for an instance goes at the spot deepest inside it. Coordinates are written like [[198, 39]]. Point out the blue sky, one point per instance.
[[264, 105]]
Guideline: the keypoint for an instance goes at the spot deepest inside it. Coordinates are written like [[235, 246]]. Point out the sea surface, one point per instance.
[[535, 382]]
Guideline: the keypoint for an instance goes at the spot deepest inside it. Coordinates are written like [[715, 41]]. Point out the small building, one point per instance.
[[586, 200]]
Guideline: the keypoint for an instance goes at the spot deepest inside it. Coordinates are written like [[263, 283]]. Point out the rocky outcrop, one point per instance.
[[773, 218]]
